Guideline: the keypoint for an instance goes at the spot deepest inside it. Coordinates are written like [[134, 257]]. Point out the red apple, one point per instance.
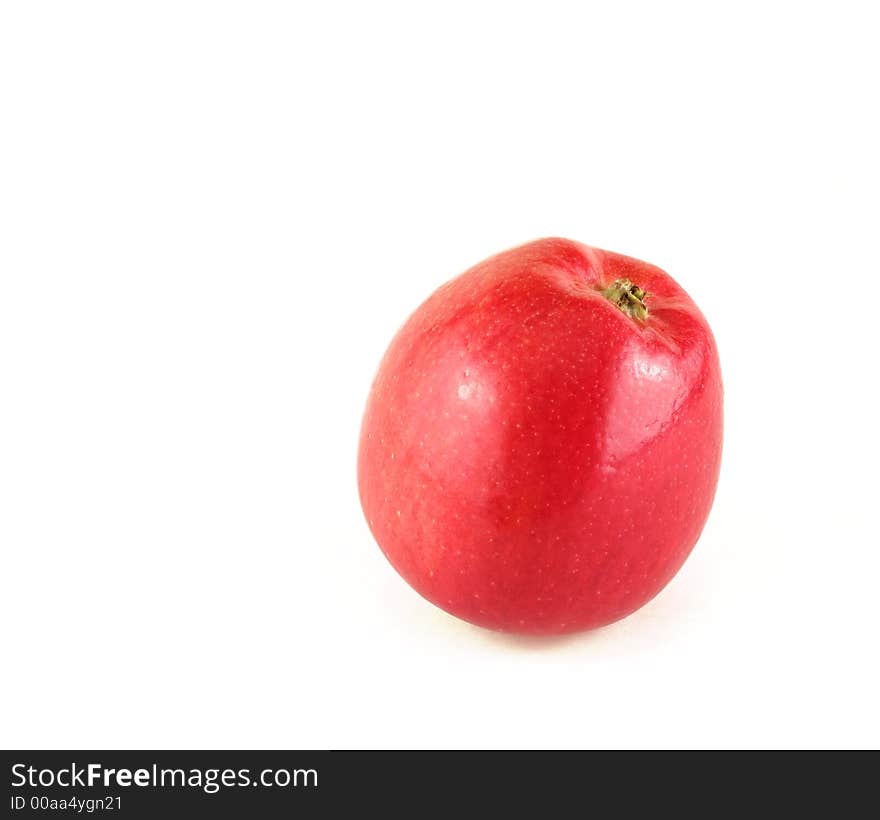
[[541, 444]]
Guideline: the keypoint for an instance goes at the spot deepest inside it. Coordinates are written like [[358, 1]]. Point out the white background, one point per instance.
[[213, 217]]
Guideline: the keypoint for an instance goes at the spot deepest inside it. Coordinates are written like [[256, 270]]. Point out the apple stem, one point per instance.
[[628, 297]]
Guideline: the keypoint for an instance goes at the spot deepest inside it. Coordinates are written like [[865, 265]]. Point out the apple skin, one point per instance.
[[532, 458]]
